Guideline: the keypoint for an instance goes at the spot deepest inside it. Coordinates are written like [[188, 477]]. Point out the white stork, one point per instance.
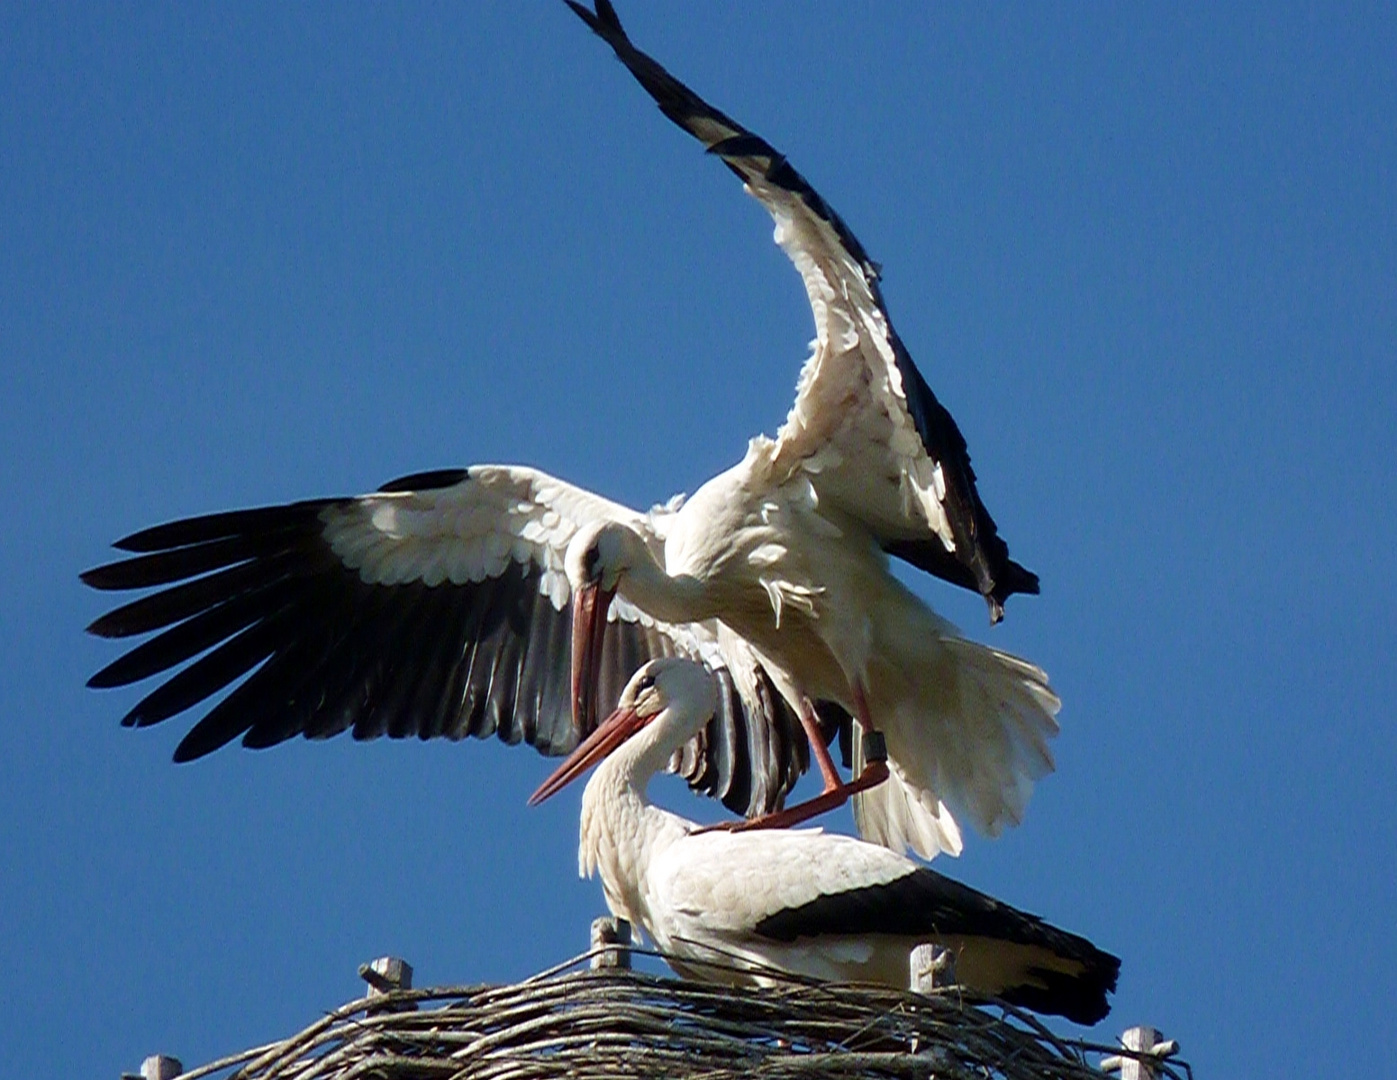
[[444, 603], [726, 906]]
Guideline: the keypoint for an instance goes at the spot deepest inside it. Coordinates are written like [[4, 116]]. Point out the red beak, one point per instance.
[[619, 727], [589, 610]]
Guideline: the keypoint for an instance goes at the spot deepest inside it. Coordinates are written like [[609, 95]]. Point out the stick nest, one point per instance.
[[612, 1022]]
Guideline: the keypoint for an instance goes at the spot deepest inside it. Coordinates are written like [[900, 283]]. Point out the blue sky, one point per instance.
[[1147, 257]]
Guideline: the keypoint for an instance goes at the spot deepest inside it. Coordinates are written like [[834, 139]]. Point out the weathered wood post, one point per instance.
[[157, 1067], [610, 936], [1151, 1048], [931, 967], [386, 974]]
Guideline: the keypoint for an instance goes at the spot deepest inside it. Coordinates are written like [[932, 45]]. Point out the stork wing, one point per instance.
[[437, 606], [865, 424], [806, 886], [753, 750]]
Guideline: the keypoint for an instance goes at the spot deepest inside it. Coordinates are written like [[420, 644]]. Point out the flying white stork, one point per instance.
[[445, 603], [727, 906]]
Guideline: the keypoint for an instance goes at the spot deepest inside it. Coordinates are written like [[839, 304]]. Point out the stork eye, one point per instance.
[[646, 682]]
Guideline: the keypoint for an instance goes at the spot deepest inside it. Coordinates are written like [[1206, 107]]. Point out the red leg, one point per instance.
[[836, 792], [861, 712], [874, 773], [818, 750]]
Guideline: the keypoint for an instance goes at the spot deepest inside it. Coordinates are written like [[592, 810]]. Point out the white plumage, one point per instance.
[[727, 906], [807, 586], [449, 603], [789, 547]]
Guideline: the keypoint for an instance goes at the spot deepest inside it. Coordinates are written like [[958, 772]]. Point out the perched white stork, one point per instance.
[[445, 603], [726, 906]]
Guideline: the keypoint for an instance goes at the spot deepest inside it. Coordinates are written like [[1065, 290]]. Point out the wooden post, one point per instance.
[[931, 967], [386, 974], [611, 935], [1138, 1038], [160, 1067], [1147, 1043]]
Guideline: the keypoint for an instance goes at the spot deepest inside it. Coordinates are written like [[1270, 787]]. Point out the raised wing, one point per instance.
[[865, 424], [437, 606]]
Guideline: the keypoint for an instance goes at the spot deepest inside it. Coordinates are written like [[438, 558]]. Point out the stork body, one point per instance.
[[445, 603], [728, 907], [809, 589]]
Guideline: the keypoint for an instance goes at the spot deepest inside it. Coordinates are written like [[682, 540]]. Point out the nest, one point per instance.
[[614, 1022]]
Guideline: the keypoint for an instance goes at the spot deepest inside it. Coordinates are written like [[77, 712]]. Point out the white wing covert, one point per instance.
[[735, 882]]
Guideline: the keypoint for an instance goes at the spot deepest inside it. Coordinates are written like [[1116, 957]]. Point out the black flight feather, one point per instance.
[[928, 906], [259, 596]]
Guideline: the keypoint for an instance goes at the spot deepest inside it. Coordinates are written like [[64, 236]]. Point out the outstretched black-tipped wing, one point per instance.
[[438, 606], [871, 432]]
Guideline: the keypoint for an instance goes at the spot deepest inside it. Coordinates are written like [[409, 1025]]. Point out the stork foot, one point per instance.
[[874, 773]]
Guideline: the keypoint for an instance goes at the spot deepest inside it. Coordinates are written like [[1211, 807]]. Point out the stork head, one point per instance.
[[672, 697], [597, 558]]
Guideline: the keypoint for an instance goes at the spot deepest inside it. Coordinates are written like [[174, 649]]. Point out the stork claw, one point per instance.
[[721, 826], [874, 773]]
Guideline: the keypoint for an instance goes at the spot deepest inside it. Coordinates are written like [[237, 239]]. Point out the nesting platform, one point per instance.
[[605, 1020]]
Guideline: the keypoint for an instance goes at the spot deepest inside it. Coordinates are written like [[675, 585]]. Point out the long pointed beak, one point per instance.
[[589, 609], [617, 728]]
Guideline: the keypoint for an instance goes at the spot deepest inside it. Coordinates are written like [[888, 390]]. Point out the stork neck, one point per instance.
[[621, 830], [627, 773], [672, 598]]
